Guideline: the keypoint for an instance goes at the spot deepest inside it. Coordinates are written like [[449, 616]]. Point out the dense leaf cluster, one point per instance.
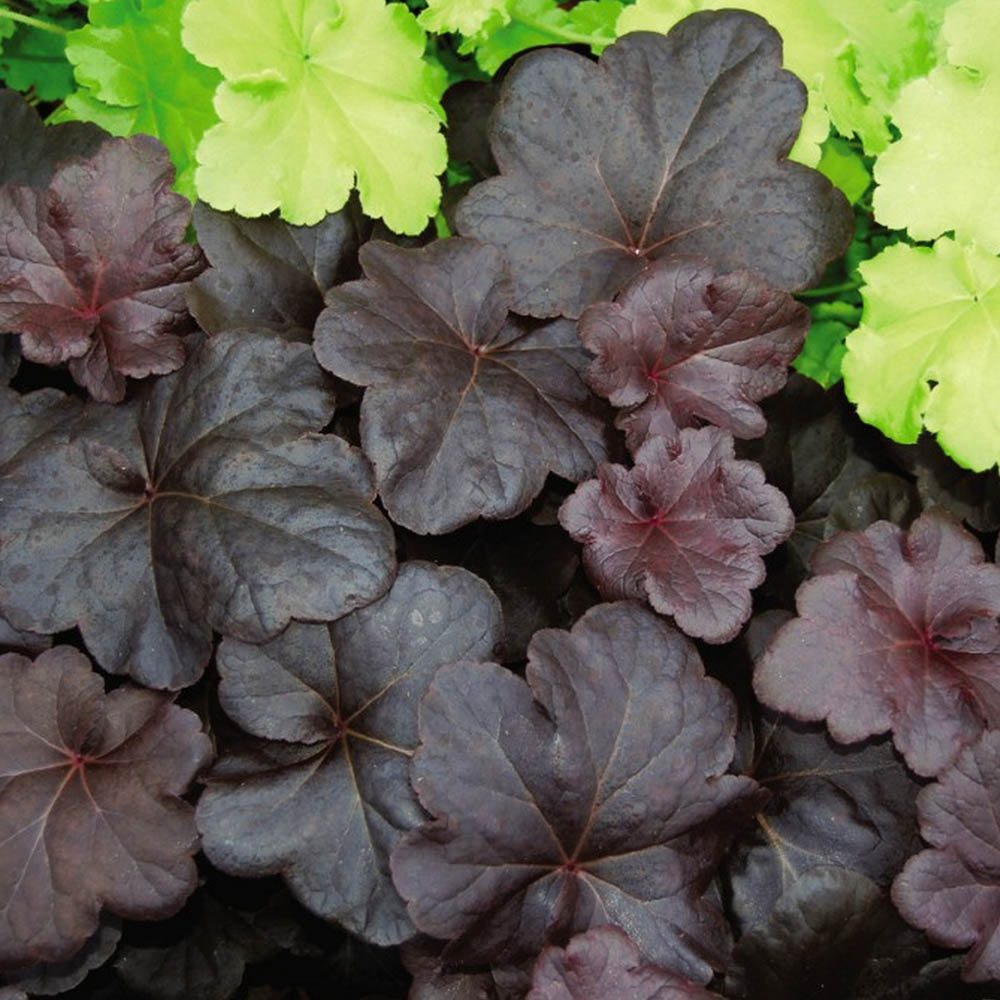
[[297, 585]]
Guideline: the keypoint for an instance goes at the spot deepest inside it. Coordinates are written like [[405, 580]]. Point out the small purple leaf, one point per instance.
[[685, 529], [896, 631]]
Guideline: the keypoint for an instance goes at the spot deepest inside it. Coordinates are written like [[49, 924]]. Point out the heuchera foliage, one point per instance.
[[468, 407], [90, 789], [682, 346], [93, 268], [897, 631], [685, 528], [594, 793], [370, 520], [588, 193]]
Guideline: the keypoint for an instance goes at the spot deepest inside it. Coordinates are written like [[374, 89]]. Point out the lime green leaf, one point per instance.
[[928, 349], [823, 352], [843, 166], [852, 55], [943, 174], [467, 17], [135, 76], [36, 58], [317, 92], [542, 22]]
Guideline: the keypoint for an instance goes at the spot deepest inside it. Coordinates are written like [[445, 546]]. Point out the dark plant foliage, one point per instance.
[[93, 267], [685, 529], [897, 631], [594, 793], [326, 798], [420, 757], [267, 274], [468, 407], [203, 503], [682, 346], [952, 891], [589, 191], [90, 808]]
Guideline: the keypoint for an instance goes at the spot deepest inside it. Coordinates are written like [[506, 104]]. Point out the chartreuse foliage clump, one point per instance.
[[926, 353], [413, 536], [333, 94]]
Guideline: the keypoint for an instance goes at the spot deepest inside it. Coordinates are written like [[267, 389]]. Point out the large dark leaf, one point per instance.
[[90, 808], [953, 890], [266, 273], [596, 793], [30, 150], [897, 631], [93, 268], [604, 963], [467, 408], [205, 503], [671, 144], [685, 529], [682, 346], [336, 796]]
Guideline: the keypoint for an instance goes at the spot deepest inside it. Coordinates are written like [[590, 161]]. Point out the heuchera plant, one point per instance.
[[493, 612]]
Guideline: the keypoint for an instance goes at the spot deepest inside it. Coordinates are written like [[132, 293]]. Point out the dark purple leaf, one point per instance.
[[953, 890], [93, 268], [682, 346], [671, 144], [49, 979], [817, 940], [90, 807], [204, 503], [897, 631], [603, 963], [596, 793], [851, 807], [30, 150], [467, 408], [344, 699], [267, 274], [685, 529]]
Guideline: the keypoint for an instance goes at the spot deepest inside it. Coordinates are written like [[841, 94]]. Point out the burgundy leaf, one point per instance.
[[344, 700], [670, 144], [90, 807], [684, 529], [682, 347], [953, 890], [205, 503], [93, 268], [604, 963], [596, 793], [267, 274], [897, 631], [31, 150], [467, 408]]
